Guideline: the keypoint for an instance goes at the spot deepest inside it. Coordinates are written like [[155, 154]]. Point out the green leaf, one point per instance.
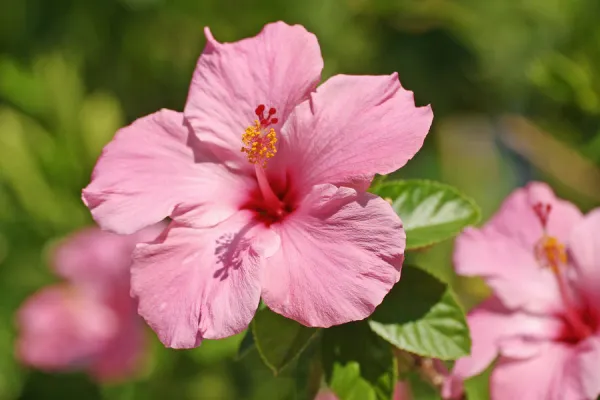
[[347, 383], [246, 345], [431, 211], [280, 387], [307, 371], [478, 387], [300, 380], [421, 315], [358, 365], [420, 389], [279, 340]]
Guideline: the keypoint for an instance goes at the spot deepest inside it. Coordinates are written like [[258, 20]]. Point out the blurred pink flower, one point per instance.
[[453, 388], [541, 257], [401, 392], [287, 218], [326, 395], [89, 322]]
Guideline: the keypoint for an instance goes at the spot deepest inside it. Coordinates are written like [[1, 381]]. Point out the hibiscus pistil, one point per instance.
[[258, 139], [259, 145], [551, 253]]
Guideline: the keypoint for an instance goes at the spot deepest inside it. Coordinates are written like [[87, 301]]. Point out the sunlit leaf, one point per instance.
[[431, 211], [421, 315]]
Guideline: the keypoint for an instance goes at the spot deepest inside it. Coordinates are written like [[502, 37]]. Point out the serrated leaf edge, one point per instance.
[[437, 184], [449, 292]]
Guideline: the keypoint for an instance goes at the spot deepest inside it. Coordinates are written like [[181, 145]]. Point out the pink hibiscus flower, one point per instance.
[[287, 218], [541, 257], [90, 321]]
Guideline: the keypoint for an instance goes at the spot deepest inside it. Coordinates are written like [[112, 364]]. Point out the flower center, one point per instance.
[[259, 142], [258, 139], [551, 253]]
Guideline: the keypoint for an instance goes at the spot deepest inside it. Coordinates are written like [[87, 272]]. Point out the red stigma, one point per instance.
[[542, 211], [268, 120]]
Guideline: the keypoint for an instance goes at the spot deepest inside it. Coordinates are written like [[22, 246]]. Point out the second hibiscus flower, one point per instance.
[[540, 256], [264, 176]]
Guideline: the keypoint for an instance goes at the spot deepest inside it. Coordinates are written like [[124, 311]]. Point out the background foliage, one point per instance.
[[513, 84]]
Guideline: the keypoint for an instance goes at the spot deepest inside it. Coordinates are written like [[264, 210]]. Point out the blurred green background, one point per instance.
[[514, 86]]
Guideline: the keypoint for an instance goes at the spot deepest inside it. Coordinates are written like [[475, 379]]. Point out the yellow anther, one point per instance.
[[258, 144], [551, 253]]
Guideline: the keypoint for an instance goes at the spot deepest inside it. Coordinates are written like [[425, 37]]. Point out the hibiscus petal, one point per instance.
[[564, 216], [62, 328], [352, 128], [518, 219], [584, 245], [341, 252], [503, 250], [540, 377], [152, 166], [195, 284], [278, 68], [508, 268], [586, 374], [491, 324]]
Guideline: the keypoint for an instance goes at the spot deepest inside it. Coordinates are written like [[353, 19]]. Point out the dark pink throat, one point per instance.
[[273, 200], [588, 323]]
